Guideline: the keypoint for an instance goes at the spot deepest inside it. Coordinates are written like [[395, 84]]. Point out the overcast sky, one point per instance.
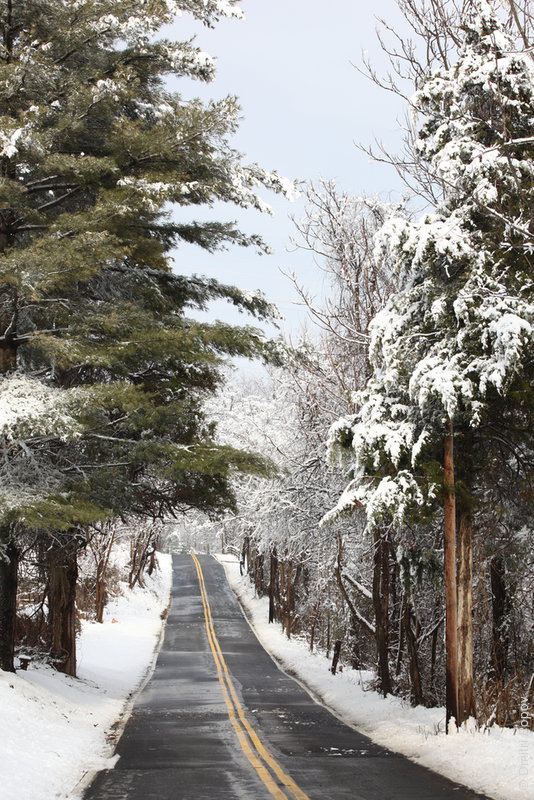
[[305, 107]]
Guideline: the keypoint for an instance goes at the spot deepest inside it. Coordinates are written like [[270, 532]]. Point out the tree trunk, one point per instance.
[[8, 564], [245, 557], [450, 581], [259, 582], [273, 575], [337, 653], [315, 619], [8, 358], [498, 608], [433, 654], [101, 597], [8, 606], [400, 645], [466, 707], [413, 656], [102, 565], [286, 595], [62, 581], [381, 609]]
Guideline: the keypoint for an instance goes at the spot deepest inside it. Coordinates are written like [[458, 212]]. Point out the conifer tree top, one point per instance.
[[459, 334]]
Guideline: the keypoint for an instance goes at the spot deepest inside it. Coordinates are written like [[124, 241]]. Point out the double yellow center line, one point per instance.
[[267, 768]]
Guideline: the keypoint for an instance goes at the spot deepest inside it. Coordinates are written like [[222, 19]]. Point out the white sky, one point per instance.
[[305, 107]]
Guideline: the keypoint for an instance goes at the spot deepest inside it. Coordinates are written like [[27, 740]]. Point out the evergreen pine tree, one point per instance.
[[95, 337], [452, 351]]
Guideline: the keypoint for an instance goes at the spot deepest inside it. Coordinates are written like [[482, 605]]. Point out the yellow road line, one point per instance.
[[260, 768], [240, 722]]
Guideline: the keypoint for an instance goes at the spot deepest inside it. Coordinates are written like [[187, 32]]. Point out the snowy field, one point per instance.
[[498, 762], [61, 729]]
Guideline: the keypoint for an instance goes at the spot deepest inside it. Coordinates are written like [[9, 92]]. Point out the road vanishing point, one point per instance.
[[218, 720]]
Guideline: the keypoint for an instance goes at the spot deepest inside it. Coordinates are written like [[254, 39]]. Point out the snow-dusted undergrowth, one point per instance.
[[56, 728], [498, 762]]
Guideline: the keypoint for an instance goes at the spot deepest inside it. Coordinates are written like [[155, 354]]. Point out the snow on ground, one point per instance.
[[57, 728], [498, 762]]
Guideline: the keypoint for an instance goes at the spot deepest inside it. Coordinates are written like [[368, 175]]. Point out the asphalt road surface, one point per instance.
[[219, 720]]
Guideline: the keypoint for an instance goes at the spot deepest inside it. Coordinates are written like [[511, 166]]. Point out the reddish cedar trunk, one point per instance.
[[451, 601], [62, 576], [466, 705], [8, 606]]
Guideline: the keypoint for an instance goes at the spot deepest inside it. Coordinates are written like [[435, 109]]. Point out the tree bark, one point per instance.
[[381, 609], [273, 575], [8, 357], [286, 576], [289, 598], [8, 605], [62, 582], [450, 580], [101, 597], [466, 705], [245, 557], [101, 548], [413, 656], [337, 653], [259, 582]]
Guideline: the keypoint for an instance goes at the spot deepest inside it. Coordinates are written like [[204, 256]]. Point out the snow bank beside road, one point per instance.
[[498, 762], [56, 728]]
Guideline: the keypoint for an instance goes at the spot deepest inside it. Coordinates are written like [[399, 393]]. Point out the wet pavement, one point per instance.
[[180, 743]]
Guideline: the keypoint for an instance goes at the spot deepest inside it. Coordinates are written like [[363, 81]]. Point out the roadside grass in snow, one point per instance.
[[58, 730], [498, 762]]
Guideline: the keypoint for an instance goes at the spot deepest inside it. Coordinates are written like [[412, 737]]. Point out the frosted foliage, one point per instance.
[[29, 408], [15, 497], [241, 181], [31, 411], [9, 140], [489, 329], [409, 244], [270, 417], [237, 189], [480, 156], [251, 418], [389, 499], [16, 138], [132, 20], [461, 328]]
